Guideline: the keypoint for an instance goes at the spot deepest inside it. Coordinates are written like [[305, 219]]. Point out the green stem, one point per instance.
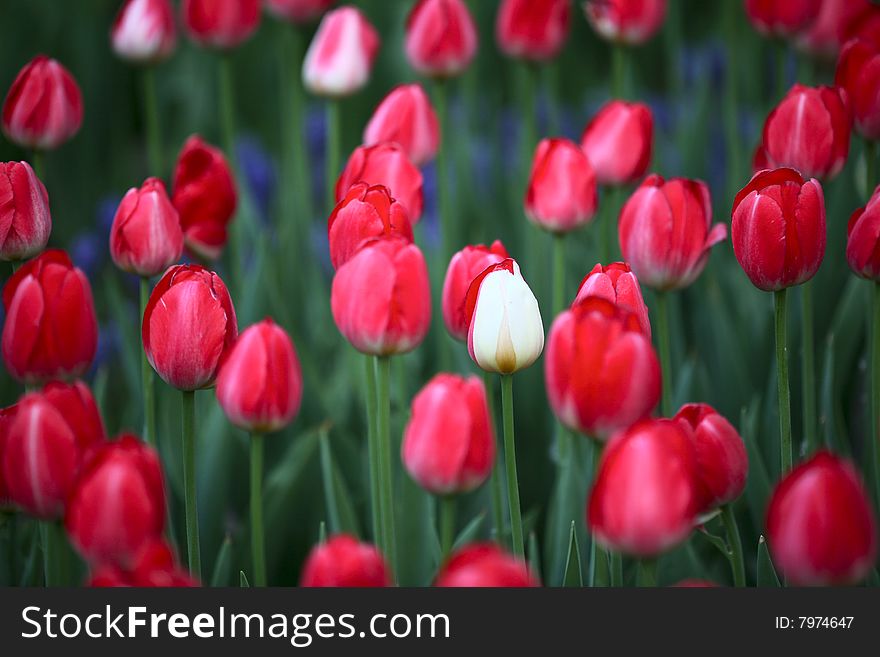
[[558, 273], [665, 351], [497, 471], [383, 425], [733, 540], [510, 460], [598, 556], [330, 502], [618, 71], [373, 450], [448, 232], [147, 378], [616, 562], [258, 549], [15, 264], [870, 167], [37, 165], [808, 366], [874, 434], [647, 574], [334, 146], [151, 114], [782, 382], [608, 226], [188, 418], [51, 549], [447, 525]]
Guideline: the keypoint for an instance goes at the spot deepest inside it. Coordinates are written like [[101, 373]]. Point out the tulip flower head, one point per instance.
[[144, 31], [222, 24], [630, 22], [298, 11], [406, 116], [343, 561], [833, 26], [485, 565], [6, 416], [441, 38], [505, 331], [781, 18], [534, 31], [821, 529], [863, 237], [561, 194], [618, 284], [463, 268], [448, 444], [858, 73], [618, 141], [778, 229], [341, 55], [25, 221], [44, 106], [154, 566], [189, 324]]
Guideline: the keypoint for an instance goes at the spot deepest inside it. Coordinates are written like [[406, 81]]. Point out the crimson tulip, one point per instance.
[[834, 25], [341, 55], [385, 164], [863, 236], [858, 73], [441, 38], [561, 193], [154, 566], [406, 116], [463, 268], [144, 31], [618, 141], [298, 11], [630, 22], [535, 31], [782, 18], [485, 565], [618, 284], [343, 561], [222, 24], [25, 220]]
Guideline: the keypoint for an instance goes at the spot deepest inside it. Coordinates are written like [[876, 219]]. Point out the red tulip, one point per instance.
[[298, 11], [144, 31], [626, 21], [341, 55], [146, 237], [365, 213], [618, 142], [535, 31], [221, 23], [204, 195], [692, 583], [463, 268], [259, 386], [778, 229], [48, 439], [441, 38], [381, 297], [666, 231], [448, 444], [863, 236], [601, 371], [858, 73], [6, 417], [45, 294], [561, 194], [343, 561], [25, 221], [44, 106], [405, 115], [722, 462], [485, 565], [154, 566], [616, 283], [834, 25], [821, 529], [189, 324], [645, 498], [760, 159], [809, 131], [385, 164], [118, 505], [782, 18]]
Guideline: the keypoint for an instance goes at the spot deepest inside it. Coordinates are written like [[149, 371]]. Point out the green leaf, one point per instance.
[[766, 572], [327, 473], [534, 555], [758, 484], [243, 580], [223, 564], [282, 479], [573, 575], [322, 533], [469, 533]]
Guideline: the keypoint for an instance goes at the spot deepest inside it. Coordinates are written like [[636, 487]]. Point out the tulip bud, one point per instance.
[[781, 18], [405, 116], [618, 141], [601, 371], [463, 268], [259, 386], [44, 106], [631, 22], [561, 194], [505, 331], [342, 561], [154, 566], [820, 527], [48, 439], [485, 565], [385, 164], [221, 24], [25, 221], [441, 38], [645, 498], [833, 26], [204, 195], [146, 237], [46, 293], [722, 462], [534, 31], [809, 131], [666, 231], [6, 417], [616, 283], [298, 11], [863, 236], [858, 73], [381, 298], [778, 229], [189, 324], [341, 55], [144, 31], [448, 444], [364, 214], [118, 505]]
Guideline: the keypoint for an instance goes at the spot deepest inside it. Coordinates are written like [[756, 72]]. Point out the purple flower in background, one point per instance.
[[259, 173]]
